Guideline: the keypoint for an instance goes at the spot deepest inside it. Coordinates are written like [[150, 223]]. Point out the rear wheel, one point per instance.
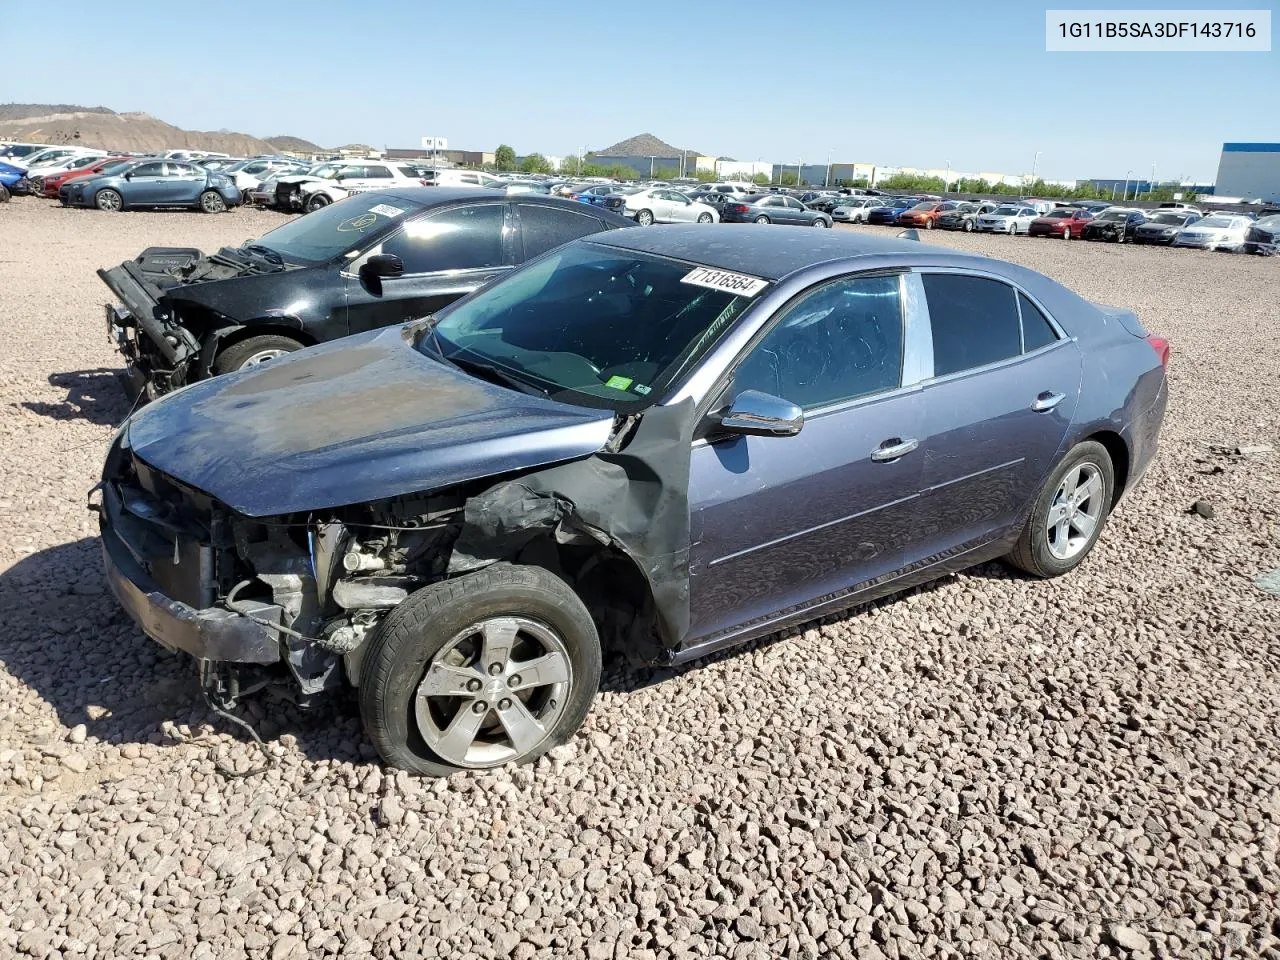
[[762, 219], [495, 667], [4, 193], [109, 201], [645, 218], [317, 201], [1069, 513], [211, 202], [705, 218], [253, 352]]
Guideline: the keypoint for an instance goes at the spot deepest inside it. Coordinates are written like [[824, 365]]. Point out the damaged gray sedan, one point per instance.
[[659, 442]]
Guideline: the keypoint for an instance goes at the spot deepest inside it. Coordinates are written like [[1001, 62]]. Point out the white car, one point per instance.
[[1218, 232], [664, 205], [249, 174], [350, 177], [55, 158], [733, 189], [1007, 219], [15, 153], [855, 209], [459, 178]]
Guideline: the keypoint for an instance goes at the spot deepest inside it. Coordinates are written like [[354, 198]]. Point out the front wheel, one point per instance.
[[705, 218], [253, 352], [494, 667], [211, 202], [928, 224], [645, 218], [4, 193], [1013, 228], [109, 201], [317, 201], [968, 226], [1069, 513], [1066, 233], [762, 219]]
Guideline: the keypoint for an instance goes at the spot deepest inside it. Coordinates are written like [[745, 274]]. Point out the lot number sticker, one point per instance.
[[386, 210], [739, 283]]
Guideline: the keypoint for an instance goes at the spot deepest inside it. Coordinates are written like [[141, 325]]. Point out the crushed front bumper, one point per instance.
[[213, 633]]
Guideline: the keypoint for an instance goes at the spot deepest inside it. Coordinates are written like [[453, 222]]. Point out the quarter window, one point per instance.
[[547, 227], [376, 172], [974, 321], [465, 238], [1037, 331], [842, 341]]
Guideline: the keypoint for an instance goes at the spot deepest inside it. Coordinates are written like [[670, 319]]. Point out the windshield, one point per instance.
[[591, 325], [1173, 218], [335, 229], [1060, 214], [114, 166], [1113, 215], [1006, 212], [1218, 222], [926, 207]]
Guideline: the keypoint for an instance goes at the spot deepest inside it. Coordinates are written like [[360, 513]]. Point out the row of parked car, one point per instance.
[[451, 444]]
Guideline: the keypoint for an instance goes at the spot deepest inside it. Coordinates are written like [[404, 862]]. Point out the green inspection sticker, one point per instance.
[[619, 383]]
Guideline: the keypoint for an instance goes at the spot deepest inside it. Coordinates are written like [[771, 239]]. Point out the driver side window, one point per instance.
[[841, 341]]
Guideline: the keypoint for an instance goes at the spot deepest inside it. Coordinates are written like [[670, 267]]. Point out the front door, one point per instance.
[[446, 255], [779, 523], [145, 184], [996, 413]]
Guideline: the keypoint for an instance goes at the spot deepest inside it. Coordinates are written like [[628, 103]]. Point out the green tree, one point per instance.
[[535, 163], [705, 176], [788, 179], [504, 158], [760, 178]]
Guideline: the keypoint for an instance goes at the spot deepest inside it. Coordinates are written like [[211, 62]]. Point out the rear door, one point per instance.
[[996, 411], [446, 255], [184, 182]]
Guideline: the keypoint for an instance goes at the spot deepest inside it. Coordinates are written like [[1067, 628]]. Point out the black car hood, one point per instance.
[[355, 420]]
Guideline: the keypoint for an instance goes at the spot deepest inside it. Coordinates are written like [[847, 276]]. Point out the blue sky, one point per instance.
[[898, 84]]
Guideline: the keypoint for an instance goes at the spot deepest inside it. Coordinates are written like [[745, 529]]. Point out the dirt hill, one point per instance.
[[108, 130], [295, 145], [643, 145]]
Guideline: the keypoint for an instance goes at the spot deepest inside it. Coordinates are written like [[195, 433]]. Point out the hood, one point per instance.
[[355, 420]]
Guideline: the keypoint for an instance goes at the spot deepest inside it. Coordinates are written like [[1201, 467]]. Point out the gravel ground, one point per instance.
[[990, 766]]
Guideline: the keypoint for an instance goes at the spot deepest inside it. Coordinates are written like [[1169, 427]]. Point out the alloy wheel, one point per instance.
[[1075, 511], [261, 357], [211, 202], [494, 692], [110, 201]]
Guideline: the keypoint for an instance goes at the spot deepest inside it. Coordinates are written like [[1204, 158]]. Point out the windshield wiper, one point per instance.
[[490, 372], [265, 252]]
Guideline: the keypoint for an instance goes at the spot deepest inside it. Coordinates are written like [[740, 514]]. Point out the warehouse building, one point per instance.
[[1249, 171]]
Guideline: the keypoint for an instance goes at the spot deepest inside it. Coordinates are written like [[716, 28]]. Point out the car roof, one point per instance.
[[771, 252], [427, 197]]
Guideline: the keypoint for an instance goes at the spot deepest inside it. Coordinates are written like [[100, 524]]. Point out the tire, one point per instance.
[[253, 351], [1066, 233], [763, 219], [108, 201], [445, 620], [968, 226], [211, 201], [1013, 229], [928, 224], [1035, 552], [705, 218], [645, 218], [317, 201], [4, 193]]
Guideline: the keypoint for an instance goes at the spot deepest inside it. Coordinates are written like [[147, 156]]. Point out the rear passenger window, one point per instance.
[[546, 227], [1037, 332], [974, 321], [377, 173]]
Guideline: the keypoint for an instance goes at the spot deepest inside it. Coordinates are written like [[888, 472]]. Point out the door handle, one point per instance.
[[893, 449], [1047, 401]]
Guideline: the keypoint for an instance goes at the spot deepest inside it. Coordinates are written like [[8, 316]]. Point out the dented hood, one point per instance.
[[359, 419]]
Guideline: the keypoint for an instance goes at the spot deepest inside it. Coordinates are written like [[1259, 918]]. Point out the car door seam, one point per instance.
[[970, 476]]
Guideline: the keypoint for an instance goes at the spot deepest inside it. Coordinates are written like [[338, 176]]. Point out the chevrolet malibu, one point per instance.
[[643, 442]]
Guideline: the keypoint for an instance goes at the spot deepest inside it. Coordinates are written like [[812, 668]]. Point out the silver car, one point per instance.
[[855, 209], [666, 205], [1007, 219]]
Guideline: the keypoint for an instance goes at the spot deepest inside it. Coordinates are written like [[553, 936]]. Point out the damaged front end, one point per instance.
[[279, 600]]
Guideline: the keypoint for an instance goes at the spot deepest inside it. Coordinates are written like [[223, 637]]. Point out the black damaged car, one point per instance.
[[372, 260]]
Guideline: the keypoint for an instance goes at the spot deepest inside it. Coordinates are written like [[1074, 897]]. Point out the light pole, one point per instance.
[[799, 164], [1152, 183], [651, 159], [826, 181], [946, 184], [1125, 195], [1035, 162]]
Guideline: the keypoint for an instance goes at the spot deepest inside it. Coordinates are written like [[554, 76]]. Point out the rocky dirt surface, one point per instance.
[[990, 766]]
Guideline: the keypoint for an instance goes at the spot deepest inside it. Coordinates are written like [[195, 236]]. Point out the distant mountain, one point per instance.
[[127, 132], [295, 145], [644, 145]]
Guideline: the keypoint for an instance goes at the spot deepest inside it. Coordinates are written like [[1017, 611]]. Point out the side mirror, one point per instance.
[[762, 414], [383, 266], [129, 175]]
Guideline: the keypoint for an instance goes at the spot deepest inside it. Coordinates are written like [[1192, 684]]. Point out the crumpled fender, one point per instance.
[[635, 498]]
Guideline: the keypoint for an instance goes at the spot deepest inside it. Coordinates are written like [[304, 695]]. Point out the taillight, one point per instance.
[[1161, 346], [740, 208]]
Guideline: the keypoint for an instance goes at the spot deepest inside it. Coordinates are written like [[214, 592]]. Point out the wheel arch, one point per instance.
[[1118, 449], [216, 341]]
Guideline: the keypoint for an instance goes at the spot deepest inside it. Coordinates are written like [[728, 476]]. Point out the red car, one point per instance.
[[92, 167], [1064, 222], [926, 213]]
